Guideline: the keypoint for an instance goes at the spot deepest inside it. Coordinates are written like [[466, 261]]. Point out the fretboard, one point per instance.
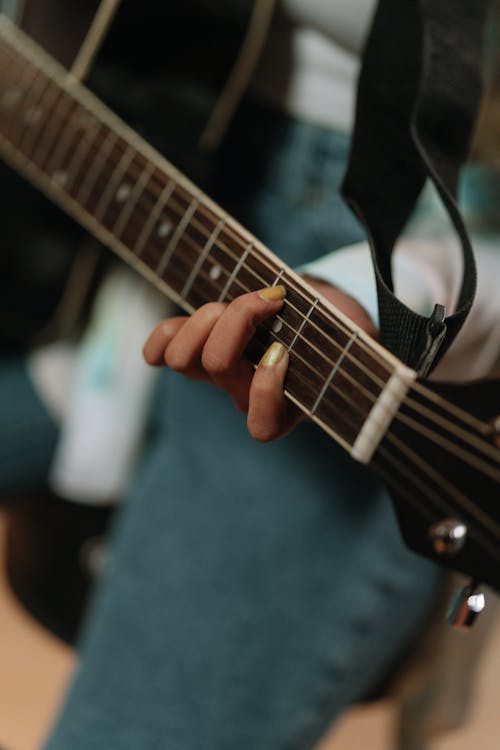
[[55, 132]]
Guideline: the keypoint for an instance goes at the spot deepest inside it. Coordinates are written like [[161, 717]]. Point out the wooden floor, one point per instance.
[[35, 668]]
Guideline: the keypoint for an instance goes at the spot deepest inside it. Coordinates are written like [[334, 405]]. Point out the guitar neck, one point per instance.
[[88, 161]]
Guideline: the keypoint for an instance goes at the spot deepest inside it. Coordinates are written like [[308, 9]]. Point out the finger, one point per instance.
[[184, 352], [223, 355], [236, 327], [153, 350], [178, 342], [267, 410]]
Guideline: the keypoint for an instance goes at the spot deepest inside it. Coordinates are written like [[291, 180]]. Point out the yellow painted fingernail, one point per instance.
[[273, 355], [273, 293]]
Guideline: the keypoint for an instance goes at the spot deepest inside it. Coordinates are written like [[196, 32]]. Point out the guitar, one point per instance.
[[437, 446]]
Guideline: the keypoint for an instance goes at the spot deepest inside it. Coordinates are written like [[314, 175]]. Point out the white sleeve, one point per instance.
[[427, 273]]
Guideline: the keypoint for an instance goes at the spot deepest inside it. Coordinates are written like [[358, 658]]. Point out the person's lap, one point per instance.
[[253, 591], [28, 431]]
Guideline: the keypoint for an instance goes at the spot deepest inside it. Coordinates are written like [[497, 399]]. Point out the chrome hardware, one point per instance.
[[435, 334], [465, 606], [448, 536]]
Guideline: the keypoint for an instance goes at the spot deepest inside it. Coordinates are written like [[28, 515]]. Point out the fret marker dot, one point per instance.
[[164, 229], [277, 325], [11, 97], [215, 272], [123, 192], [33, 115]]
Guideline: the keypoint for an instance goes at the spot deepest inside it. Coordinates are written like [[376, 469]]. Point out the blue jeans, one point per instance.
[[28, 432], [254, 591]]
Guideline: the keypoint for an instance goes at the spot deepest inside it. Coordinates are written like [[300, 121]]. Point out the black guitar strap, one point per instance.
[[418, 95]]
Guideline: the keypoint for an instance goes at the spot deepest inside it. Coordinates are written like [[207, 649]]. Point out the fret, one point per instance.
[[32, 111], [99, 159], [32, 135], [177, 235], [259, 272], [114, 183], [367, 368], [341, 418], [153, 218], [112, 176], [253, 275], [12, 69], [234, 273], [53, 134], [333, 372], [12, 92], [130, 200], [137, 191], [79, 145], [279, 277], [11, 122], [11, 97], [212, 238], [142, 202], [204, 289], [303, 323], [63, 156]]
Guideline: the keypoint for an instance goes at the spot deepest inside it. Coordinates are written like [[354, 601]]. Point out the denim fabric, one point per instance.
[[254, 591], [28, 433]]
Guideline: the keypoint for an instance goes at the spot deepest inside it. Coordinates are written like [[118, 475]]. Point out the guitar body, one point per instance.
[[436, 446], [458, 477]]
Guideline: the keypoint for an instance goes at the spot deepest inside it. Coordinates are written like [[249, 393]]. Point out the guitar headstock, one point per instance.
[[441, 461]]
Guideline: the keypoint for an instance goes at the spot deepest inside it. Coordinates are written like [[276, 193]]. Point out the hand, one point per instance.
[[210, 346]]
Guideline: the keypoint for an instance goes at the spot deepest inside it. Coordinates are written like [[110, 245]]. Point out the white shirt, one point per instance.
[[310, 63]]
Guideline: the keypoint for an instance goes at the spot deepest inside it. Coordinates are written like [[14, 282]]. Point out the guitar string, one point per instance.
[[222, 247], [463, 415], [62, 90], [453, 492], [250, 270], [299, 334], [39, 98], [262, 258], [227, 251], [265, 261], [428, 493], [356, 384], [244, 288]]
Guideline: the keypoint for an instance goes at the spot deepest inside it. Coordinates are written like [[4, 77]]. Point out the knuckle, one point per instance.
[[213, 310], [177, 358], [214, 362]]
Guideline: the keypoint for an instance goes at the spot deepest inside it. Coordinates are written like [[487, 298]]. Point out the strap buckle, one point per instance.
[[435, 333]]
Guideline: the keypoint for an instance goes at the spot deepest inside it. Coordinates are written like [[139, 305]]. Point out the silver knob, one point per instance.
[[448, 536], [465, 606]]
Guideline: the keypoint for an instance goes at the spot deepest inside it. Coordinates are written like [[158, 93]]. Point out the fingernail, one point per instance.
[[273, 355], [273, 293]]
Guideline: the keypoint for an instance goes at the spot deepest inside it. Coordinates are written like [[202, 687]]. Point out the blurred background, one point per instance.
[[50, 552]]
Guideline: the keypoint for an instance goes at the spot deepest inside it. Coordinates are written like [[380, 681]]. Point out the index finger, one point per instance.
[[236, 327]]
